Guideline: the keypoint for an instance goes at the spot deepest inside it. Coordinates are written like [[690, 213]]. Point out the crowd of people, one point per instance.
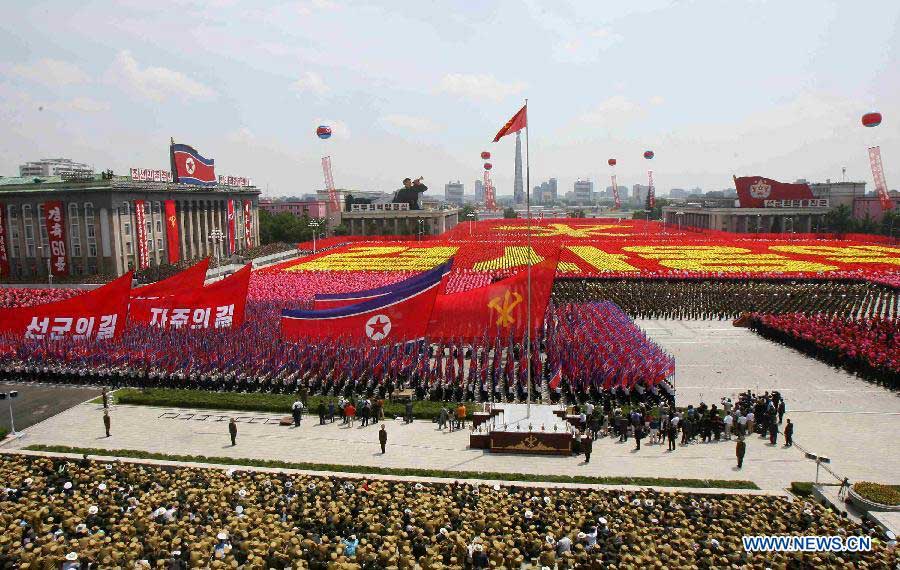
[[256, 359], [870, 346], [65, 513], [729, 299]]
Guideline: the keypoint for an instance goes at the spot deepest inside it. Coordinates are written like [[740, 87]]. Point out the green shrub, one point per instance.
[[3, 432], [802, 488], [365, 469], [878, 493], [259, 402]]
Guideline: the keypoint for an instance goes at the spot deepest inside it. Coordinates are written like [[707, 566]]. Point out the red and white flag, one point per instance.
[[557, 378]]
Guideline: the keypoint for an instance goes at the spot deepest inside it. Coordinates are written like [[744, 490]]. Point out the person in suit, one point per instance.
[[382, 438], [789, 434], [106, 421], [232, 429], [740, 451], [587, 446], [638, 435]]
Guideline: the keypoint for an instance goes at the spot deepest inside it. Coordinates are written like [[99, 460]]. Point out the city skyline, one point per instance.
[[787, 109]]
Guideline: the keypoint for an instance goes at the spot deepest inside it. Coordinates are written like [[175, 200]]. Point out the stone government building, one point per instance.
[[99, 220]]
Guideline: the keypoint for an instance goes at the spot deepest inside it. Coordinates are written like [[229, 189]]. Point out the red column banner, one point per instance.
[[247, 224], [878, 176], [98, 314], [54, 217], [172, 232], [231, 228], [140, 219], [4, 254]]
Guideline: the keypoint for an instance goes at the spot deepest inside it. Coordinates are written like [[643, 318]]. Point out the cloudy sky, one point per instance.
[[415, 88]]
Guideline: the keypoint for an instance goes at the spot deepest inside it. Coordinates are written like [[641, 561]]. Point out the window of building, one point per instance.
[[129, 249], [42, 228], [28, 221], [13, 223], [74, 229], [90, 229]]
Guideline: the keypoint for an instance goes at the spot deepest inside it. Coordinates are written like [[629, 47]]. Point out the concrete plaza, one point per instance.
[[837, 415]]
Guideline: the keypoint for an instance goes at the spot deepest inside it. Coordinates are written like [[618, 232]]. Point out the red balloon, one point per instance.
[[648, 154], [611, 162], [871, 119], [485, 155], [488, 166]]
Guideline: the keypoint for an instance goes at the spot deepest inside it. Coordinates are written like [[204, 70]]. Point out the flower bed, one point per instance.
[[877, 493]]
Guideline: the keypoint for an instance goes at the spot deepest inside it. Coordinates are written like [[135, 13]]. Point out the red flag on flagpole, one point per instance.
[[518, 122]]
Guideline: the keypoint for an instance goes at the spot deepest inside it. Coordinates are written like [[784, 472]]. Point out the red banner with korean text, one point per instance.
[[498, 310], [878, 176], [172, 232], [754, 191], [183, 281], [219, 305], [140, 220], [247, 224], [98, 314], [54, 217], [4, 253], [231, 227]]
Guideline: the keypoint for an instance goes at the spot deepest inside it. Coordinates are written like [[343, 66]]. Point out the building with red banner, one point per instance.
[[107, 224]]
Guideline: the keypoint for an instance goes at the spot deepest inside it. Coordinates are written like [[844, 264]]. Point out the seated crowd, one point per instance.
[[60, 513]]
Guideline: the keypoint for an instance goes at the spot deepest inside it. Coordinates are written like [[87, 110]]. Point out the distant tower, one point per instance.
[[519, 185]]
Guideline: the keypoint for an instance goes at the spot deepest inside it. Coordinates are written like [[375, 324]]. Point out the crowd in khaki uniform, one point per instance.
[[58, 513]]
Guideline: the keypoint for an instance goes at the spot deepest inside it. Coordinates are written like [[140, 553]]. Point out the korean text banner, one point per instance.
[[54, 217], [753, 191], [333, 300], [183, 281], [497, 310], [220, 305], [391, 318], [172, 232], [231, 227], [248, 221], [4, 254], [98, 314], [140, 222]]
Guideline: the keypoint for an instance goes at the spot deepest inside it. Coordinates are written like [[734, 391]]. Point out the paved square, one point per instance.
[[837, 415]]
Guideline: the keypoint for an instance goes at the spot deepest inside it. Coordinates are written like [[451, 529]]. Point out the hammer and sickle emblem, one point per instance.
[[504, 306], [172, 221]]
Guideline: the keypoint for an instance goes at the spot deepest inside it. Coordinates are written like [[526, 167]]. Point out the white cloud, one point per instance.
[[85, 105], [156, 83], [657, 100], [339, 129], [51, 72], [242, 135], [613, 109], [310, 82], [410, 123], [479, 86]]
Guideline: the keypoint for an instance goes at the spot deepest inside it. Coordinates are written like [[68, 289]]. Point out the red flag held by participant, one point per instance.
[[219, 305], [191, 278], [557, 378], [518, 122], [395, 317], [97, 314], [495, 310]]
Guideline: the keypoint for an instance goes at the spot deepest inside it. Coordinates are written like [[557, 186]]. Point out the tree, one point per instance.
[[579, 213], [890, 224], [510, 213], [839, 220]]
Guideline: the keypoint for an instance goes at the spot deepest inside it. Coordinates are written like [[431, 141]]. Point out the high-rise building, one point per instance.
[[54, 167], [519, 183], [584, 192], [552, 191], [678, 193], [639, 194], [479, 191], [454, 192], [537, 195]]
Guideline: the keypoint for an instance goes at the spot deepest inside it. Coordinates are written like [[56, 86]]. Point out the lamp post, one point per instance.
[[314, 224], [678, 215], [216, 236], [471, 216], [819, 459], [10, 396], [421, 228], [40, 249]]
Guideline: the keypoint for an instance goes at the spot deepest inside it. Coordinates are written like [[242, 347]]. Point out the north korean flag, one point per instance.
[[188, 167]]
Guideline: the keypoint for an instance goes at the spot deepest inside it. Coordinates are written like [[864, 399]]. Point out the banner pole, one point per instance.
[[528, 238]]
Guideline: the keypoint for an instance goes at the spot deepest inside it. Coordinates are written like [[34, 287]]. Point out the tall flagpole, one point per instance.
[[528, 253]]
